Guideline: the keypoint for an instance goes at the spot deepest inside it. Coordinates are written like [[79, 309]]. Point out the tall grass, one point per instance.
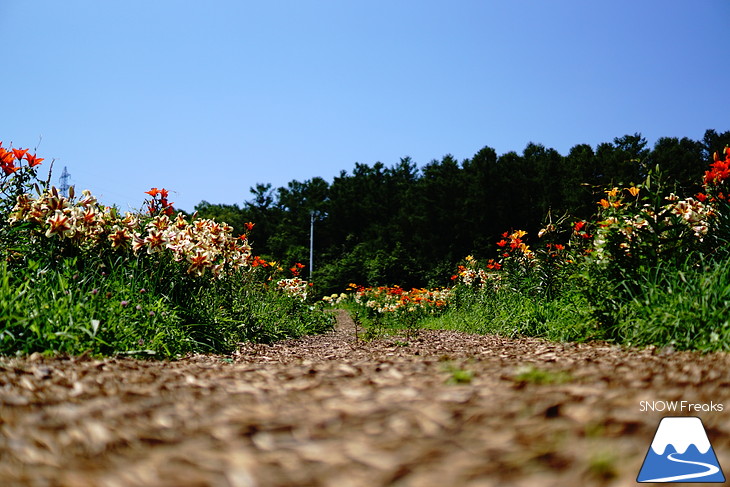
[[685, 307], [239, 309], [60, 310], [128, 310], [511, 313]]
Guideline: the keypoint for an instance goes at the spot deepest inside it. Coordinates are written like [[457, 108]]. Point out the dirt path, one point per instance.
[[446, 409]]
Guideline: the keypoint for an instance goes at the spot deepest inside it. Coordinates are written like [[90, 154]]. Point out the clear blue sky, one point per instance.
[[209, 98]]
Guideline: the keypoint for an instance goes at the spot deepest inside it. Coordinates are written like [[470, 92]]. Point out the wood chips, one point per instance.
[[445, 409]]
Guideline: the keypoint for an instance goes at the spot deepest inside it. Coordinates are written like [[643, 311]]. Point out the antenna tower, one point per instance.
[[65, 176]]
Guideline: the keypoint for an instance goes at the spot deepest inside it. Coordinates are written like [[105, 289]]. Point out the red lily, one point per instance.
[[6, 157], [9, 169], [33, 160]]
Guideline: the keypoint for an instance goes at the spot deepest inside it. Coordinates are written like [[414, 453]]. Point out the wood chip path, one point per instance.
[[444, 409]]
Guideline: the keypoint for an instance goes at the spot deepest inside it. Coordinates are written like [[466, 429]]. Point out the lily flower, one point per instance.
[[59, 224], [120, 237], [198, 262], [155, 241], [33, 160]]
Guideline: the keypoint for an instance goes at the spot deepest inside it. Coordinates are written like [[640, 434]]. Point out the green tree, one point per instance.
[[580, 184], [713, 142], [546, 173], [485, 202], [290, 238], [622, 162], [410, 226], [681, 163], [230, 214], [263, 212]]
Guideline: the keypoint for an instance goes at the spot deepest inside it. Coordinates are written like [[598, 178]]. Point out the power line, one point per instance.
[[65, 176]]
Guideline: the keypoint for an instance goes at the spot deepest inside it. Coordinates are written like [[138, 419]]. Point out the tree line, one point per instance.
[[406, 225]]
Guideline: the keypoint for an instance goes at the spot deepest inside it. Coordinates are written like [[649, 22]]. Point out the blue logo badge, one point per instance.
[[681, 452]]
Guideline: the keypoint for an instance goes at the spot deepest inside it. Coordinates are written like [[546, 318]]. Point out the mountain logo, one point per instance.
[[681, 452]]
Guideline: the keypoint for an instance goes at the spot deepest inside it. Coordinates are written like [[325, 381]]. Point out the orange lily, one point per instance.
[[33, 160]]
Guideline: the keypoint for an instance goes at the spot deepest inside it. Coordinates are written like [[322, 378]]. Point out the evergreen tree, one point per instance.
[[409, 226]]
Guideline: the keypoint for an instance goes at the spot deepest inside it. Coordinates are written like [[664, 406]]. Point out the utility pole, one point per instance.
[[65, 176]]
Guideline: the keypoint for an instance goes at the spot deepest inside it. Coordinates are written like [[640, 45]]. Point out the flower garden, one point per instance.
[[648, 270], [77, 276]]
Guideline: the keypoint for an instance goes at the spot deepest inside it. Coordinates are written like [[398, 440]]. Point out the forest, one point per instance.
[[409, 225]]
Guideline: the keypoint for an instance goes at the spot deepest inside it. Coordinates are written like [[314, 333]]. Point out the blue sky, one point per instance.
[[209, 98]]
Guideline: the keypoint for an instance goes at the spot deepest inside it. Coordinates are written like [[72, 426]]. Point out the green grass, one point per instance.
[[231, 312], [511, 313], [372, 325], [73, 307], [62, 311], [458, 375], [68, 309], [532, 375], [685, 307]]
